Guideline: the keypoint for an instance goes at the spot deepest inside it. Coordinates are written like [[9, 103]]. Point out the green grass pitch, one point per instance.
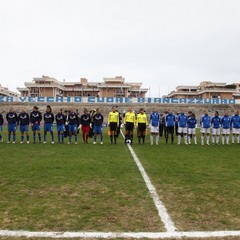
[[86, 187]]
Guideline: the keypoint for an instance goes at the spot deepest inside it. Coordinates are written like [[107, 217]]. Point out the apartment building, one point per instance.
[[207, 89], [46, 86], [4, 91]]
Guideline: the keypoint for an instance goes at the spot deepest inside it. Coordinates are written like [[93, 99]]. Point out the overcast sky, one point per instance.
[[161, 43]]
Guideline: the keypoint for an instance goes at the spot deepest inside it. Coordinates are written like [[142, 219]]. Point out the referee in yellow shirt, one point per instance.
[[141, 123], [129, 122], [113, 123]]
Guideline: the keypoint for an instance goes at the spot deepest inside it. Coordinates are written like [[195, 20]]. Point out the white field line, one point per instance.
[[162, 211], [114, 235]]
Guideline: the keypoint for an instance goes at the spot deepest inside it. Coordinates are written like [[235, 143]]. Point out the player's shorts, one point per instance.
[[170, 130], [23, 128], [236, 130], [61, 128], [48, 127], [191, 131], [129, 126], [72, 128], [142, 127], [216, 131], [12, 127], [36, 127], [97, 129], [85, 129], [154, 129], [205, 130], [226, 131], [113, 126], [182, 130]]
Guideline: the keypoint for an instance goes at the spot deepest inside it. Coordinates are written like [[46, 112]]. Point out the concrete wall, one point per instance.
[[105, 108]]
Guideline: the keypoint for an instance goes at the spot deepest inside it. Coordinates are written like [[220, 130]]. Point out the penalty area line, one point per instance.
[[162, 211]]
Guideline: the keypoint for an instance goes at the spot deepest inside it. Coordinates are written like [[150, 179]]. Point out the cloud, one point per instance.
[[163, 43]]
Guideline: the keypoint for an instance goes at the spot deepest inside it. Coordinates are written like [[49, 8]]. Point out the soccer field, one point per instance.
[[99, 188]]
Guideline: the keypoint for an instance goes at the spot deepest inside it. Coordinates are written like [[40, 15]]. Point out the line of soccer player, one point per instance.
[[185, 126], [91, 124], [69, 123]]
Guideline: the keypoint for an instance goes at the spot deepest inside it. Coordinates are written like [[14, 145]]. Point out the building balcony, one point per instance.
[[33, 85]]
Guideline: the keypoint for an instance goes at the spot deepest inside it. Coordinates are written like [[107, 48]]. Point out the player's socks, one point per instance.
[[52, 136], [115, 139], [189, 140], [233, 139], [238, 138], [111, 138], [195, 139], [95, 138], [126, 137], [179, 138], [157, 139], [62, 137], [58, 136], [14, 137], [185, 139], [213, 139], [139, 139], [76, 138], [34, 137], [172, 138], [9, 137], [217, 139], [39, 137], [143, 139], [70, 139], [22, 138], [45, 137], [222, 139], [151, 139], [227, 139], [101, 137], [202, 139], [208, 139]]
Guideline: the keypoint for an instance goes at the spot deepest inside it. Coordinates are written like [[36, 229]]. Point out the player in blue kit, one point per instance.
[[226, 123], [48, 118], [182, 127], [23, 122], [191, 125], [1, 124], [235, 124], [98, 126], [12, 119], [154, 125], [205, 122], [216, 125], [60, 120], [72, 121], [170, 120], [35, 120]]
